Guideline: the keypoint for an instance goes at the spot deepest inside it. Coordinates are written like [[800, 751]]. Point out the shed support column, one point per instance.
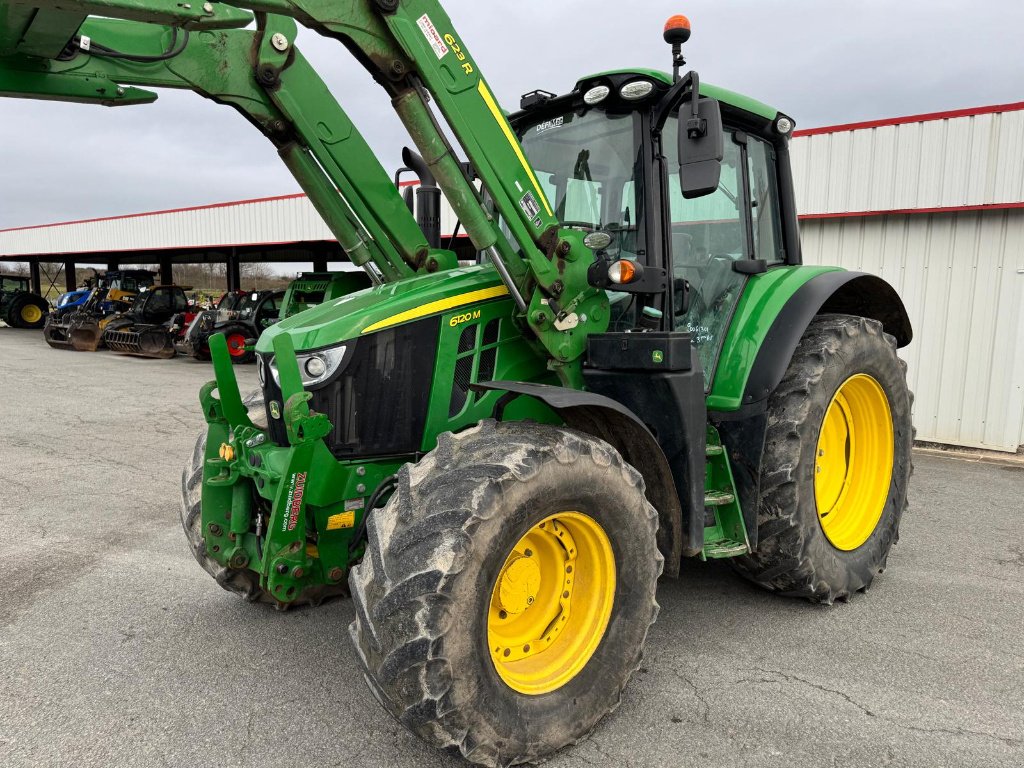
[[319, 263], [70, 281], [33, 276], [234, 272], [166, 272]]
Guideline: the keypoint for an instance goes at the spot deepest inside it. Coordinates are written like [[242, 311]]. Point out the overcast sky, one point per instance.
[[822, 61]]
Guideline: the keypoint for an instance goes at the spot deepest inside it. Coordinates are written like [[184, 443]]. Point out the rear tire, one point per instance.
[[426, 595], [27, 312], [242, 582], [801, 552]]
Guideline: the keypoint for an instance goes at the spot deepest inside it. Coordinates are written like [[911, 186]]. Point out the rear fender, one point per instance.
[[612, 422], [849, 293], [772, 316], [737, 407]]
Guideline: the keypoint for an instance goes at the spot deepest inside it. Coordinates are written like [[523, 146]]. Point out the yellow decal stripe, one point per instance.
[[492, 105], [439, 306]]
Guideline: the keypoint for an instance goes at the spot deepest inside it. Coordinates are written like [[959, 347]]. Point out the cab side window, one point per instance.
[[764, 201], [739, 220]]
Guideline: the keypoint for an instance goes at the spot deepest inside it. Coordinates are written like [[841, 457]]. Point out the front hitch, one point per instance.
[[242, 465]]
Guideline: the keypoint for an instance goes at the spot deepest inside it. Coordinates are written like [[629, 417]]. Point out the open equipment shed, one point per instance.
[[932, 203]]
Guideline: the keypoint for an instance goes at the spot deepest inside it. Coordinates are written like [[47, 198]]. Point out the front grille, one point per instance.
[[378, 403]]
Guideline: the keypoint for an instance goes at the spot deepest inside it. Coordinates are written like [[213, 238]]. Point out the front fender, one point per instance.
[[614, 423], [773, 314]]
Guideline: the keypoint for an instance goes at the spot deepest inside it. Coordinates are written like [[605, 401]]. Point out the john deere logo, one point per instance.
[[658, 356], [275, 409]]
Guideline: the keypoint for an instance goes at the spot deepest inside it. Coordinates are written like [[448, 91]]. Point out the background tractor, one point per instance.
[[80, 316], [241, 316], [154, 323], [498, 461], [311, 289], [123, 285], [19, 306]]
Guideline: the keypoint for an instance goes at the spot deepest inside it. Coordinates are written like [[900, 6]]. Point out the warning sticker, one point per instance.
[[529, 205], [430, 32], [341, 520], [356, 503]]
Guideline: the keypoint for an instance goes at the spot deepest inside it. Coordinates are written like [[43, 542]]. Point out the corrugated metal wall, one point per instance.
[[971, 160], [961, 276]]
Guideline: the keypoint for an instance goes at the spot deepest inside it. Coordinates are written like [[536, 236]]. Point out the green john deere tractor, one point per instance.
[[499, 461], [19, 306]]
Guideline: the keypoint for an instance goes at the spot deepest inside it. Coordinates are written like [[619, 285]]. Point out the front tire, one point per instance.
[[836, 464], [491, 544]]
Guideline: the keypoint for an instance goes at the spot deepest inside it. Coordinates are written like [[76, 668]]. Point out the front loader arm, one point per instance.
[[412, 50]]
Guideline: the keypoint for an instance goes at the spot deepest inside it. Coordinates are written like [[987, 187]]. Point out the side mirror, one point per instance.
[[701, 148]]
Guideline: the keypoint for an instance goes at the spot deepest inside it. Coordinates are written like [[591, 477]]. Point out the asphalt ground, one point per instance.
[[116, 649]]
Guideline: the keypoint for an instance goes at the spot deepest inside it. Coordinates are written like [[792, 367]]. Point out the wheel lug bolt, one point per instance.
[[502, 615]]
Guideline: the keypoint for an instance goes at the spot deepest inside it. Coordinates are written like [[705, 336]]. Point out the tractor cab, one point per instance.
[[12, 283], [260, 308], [157, 305], [611, 160], [128, 280]]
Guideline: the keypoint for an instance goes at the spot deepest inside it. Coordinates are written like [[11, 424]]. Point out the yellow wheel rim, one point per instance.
[[30, 313], [551, 603], [853, 465]]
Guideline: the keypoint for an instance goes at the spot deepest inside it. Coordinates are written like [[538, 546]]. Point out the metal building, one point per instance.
[[935, 205]]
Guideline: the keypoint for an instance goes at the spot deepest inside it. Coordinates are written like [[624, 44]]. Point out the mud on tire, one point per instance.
[[794, 557], [434, 552]]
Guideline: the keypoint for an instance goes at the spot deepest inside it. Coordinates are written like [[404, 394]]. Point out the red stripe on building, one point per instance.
[[927, 117], [912, 211]]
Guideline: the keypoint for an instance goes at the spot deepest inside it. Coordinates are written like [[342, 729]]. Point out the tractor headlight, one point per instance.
[[596, 95], [636, 90], [314, 367]]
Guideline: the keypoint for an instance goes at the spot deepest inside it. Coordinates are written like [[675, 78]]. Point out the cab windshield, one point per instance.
[[587, 165]]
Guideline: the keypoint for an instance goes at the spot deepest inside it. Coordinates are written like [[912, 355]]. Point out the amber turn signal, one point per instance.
[[622, 272]]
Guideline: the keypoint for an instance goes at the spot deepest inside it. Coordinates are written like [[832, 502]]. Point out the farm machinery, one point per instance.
[[498, 462], [81, 316], [153, 324], [19, 306], [311, 289], [241, 316]]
